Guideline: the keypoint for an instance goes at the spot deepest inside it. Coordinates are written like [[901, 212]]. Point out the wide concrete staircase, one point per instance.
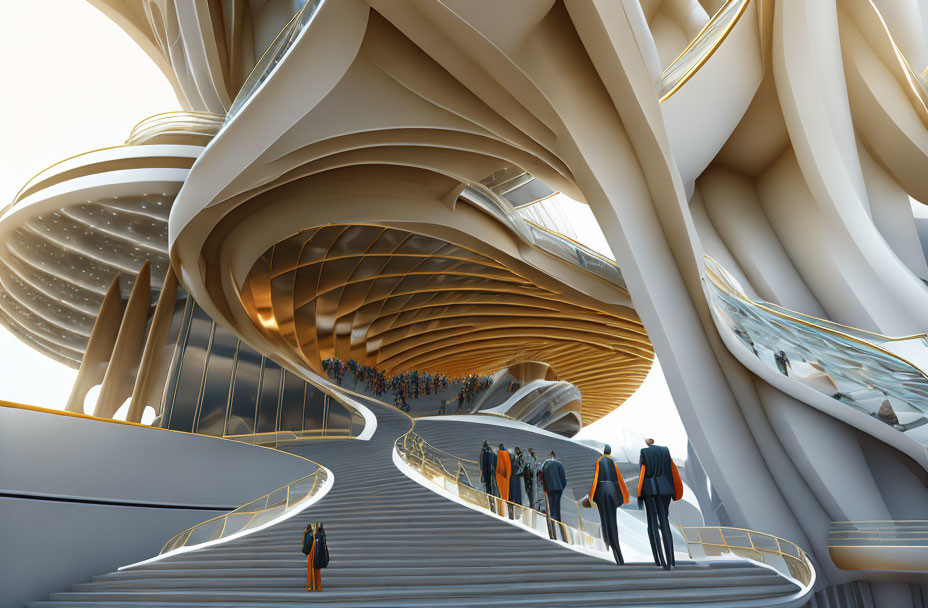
[[395, 543]]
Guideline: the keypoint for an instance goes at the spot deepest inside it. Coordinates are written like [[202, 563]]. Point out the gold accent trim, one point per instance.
[[718, 282], [708, 54]]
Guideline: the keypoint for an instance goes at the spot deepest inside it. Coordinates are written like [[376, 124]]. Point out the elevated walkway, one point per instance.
[[395, 543]]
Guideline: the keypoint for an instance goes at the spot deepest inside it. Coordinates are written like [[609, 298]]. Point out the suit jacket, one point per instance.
[[487, 464], [658, 475], [553, 475], [607, 471]]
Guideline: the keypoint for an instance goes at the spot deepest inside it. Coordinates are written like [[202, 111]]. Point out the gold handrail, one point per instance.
[[585, 248], [182, 539], [705, 56], [414, 445], [798, 565], [722, 285], [916, 90]]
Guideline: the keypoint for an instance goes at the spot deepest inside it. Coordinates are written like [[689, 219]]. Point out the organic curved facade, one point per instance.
[[755, 167]]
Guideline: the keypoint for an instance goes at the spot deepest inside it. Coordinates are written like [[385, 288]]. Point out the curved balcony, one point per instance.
[[542, 238], [917, 89], [869, 373], [194, 128], [275, 52], [784, 556], [885, 546], [698, 52], [550, 405], [80, 222]]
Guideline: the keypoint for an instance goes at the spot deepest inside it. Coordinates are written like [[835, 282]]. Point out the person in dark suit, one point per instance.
[[658, 484], [554, 480], [317, 555], [609, 493], [515, 480], [487, 467]]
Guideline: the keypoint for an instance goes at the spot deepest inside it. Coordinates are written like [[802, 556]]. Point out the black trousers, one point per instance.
[[607, 503], [659, 533]]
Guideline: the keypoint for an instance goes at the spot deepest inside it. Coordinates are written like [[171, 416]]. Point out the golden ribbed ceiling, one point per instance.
[[397, 300]]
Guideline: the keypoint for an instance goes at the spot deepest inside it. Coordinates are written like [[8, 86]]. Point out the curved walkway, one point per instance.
[[394, 543]]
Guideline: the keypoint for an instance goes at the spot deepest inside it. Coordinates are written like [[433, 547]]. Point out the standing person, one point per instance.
[[441, 408], [658, 484], [317, 555], [503, 473], [782, 362], [555, 480], [487, 467], [515, 480], [528, 477], [609, 493]]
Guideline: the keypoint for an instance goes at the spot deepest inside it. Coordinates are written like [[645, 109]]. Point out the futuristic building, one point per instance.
[[360, 245]]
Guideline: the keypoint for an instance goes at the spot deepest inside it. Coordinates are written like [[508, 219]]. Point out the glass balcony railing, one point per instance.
[[274, 54], [874, 374], [548, 241], [456, 475], [784, 556], [259, 512], [892, 533], [885, 546], [701, 48]]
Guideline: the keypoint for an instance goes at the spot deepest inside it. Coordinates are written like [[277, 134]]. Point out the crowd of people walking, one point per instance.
[[506, 473], [407, 386]]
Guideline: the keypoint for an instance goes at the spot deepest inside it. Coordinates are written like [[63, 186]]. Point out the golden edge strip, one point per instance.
[[907, 70], [720, 284], [689, 74], [45, 410], [585, 248], [236, 511], [179, 114]]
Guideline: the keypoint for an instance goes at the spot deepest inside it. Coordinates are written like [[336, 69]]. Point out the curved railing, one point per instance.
[[887, 545], [259, 512], [701, 48], [890, 532], [869, 372], [917, 91], [275, 52], [436, 466], [784, 556], [551, 242], [178, 123]]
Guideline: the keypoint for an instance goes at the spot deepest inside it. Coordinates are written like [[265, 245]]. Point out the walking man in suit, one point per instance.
[[554, 480], [487, 467], [609, 493], [658, 484]]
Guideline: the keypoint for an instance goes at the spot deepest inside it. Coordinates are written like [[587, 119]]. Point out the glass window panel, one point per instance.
[[212, 416], [191, 371], [291, 412], [314, 409], [270, 391], [181, 320], [338, 418], [244, 391]]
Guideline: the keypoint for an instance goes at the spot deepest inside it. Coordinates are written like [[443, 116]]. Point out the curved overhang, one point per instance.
[[385, 138], [81, 222]]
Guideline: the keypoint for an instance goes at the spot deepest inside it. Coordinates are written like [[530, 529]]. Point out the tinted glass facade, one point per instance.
[[218, 385]]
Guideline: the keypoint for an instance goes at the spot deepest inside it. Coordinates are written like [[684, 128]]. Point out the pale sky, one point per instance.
[[76, 82]]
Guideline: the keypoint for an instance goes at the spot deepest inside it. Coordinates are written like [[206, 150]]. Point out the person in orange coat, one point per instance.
[[317, 555], [658, 483], [609, 492], [503, 472]]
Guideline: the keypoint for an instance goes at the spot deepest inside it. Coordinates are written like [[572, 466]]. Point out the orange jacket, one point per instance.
[[503, 471]]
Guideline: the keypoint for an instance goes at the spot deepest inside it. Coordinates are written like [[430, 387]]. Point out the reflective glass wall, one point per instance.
[[218, 385]]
